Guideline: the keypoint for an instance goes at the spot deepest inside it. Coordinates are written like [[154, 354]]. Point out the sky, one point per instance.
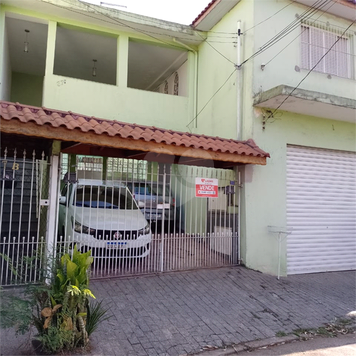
[[180, 11]]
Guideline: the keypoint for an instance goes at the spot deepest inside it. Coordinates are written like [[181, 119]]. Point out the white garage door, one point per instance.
[[321, 210]]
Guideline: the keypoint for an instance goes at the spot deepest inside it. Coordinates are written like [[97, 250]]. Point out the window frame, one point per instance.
[[309, 49]]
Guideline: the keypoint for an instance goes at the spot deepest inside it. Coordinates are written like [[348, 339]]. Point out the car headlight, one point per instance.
[[146, 230], [82, 229]]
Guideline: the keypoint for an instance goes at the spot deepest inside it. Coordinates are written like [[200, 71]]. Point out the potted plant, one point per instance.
[[63, 311]]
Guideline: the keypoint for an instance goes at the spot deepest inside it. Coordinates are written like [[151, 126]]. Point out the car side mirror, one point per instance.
[[62, 200], [141, 204]]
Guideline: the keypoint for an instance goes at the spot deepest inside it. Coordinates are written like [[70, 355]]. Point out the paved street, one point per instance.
[[180, 313]]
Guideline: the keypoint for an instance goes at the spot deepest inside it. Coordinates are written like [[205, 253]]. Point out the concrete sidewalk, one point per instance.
[[181, 313], [343, 345]]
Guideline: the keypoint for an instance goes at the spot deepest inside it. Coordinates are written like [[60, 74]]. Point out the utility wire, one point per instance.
[[116, 21], [296, 23], [307, 13], [268, 18], [332, 4], [206, 104], [216, 50], [209, 42], [149, 33], [291, 27], [321, 58]]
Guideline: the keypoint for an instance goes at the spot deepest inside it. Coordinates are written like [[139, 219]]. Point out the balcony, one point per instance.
[[308, 102], [109, 75]]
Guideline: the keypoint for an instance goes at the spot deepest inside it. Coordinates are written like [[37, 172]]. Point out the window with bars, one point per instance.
[[315, 43]]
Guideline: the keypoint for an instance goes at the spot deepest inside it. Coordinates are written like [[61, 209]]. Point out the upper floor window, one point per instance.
[[316, 43]]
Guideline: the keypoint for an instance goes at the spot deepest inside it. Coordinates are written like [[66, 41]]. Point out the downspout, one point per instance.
[[195, 99], [239, 83], [239, 129]]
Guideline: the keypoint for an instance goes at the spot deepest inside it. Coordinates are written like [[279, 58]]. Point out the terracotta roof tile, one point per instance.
[[72, 121], [206, 9]]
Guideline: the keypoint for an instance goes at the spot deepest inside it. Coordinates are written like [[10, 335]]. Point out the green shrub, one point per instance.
[[60, 311]]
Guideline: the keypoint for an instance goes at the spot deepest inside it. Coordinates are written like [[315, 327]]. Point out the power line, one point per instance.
[[288, 29], [216, 50], [332, 4], [321, 58], [209, 42], [268, 18], [115, 21], [147, 33], [211, 98]]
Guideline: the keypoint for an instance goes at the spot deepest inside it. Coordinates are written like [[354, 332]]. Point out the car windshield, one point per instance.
[[89, 196]]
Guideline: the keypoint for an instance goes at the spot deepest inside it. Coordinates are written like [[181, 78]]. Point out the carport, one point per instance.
[[59, 132]]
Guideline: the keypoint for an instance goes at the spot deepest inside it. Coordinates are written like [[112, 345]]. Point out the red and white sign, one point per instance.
[[206, 187]]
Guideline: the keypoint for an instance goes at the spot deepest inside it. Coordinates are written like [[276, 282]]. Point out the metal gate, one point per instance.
[[144, 217], [23, 216]]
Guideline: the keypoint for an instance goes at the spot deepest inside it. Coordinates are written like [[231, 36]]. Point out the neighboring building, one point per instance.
[[89, 64], [306, 121]]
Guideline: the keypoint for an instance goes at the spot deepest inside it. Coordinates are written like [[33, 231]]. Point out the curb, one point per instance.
[[248, 346]]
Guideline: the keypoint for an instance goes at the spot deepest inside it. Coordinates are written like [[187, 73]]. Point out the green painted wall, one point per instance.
[[283, 60], [217, 92], [26, 89], [116, 103], [263, 196], [264, 188]]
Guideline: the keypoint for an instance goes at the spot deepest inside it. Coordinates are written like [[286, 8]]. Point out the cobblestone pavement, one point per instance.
[[180, 313]]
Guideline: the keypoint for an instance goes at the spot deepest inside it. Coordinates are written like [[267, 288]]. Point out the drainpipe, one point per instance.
[[239, 83], [239, 128], [239, 219], [195, 99]]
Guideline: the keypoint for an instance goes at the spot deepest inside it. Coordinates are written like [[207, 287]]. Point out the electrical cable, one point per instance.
[[209, 42], [115, 21], [321, 58], [147, 33], [211, 98], [268, 18], [216, 50], [287, 30], [332, 4]]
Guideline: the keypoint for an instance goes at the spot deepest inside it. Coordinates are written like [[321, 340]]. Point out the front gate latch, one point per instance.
[[44, 202]]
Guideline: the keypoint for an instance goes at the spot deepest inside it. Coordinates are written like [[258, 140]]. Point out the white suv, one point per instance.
[[103, 217]]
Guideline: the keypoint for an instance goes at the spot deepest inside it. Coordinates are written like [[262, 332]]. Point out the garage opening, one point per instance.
[[321, 210], [144, 217], [142, 199]]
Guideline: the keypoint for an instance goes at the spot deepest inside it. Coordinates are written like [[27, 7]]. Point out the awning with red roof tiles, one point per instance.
[[80, 134]]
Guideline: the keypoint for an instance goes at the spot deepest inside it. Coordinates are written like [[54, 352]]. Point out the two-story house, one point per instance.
[[100, 93], [190, 102], [293, 91]]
